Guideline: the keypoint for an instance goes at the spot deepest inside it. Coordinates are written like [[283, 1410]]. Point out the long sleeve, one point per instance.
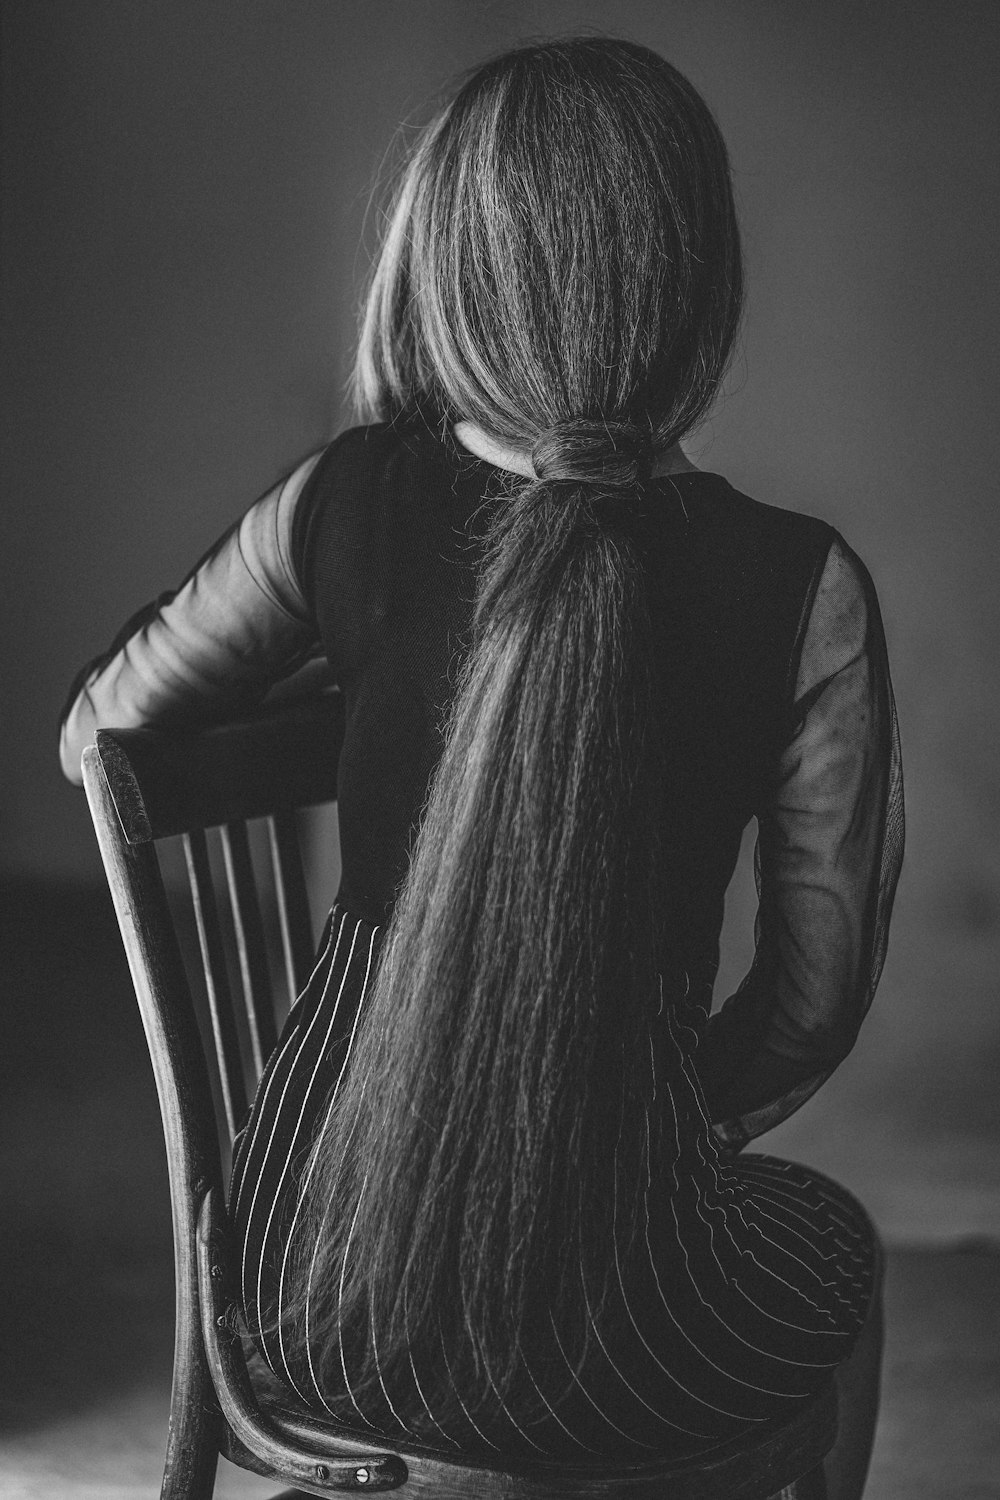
[[829, 849], [238, 623]]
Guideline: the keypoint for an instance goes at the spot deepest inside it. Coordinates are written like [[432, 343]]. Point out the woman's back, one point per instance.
[[741, 1288], [387, 544]]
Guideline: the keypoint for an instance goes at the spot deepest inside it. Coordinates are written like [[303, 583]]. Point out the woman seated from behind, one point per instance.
[[489, 1195]]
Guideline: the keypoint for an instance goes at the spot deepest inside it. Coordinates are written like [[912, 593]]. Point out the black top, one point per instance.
[[385, 550], [771, 674]]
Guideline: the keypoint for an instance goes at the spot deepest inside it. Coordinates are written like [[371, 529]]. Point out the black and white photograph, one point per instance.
[[500, 791]]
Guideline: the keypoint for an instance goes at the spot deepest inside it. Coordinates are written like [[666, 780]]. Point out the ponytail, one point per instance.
[[487, 1133]]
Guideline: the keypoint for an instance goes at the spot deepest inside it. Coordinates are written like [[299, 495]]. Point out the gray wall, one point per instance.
[[184, 194]]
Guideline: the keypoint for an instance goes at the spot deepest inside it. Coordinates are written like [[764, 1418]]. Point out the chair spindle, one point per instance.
[[227, 1047], [251, 944]]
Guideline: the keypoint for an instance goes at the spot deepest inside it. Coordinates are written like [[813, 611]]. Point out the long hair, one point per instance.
[[562, 268]]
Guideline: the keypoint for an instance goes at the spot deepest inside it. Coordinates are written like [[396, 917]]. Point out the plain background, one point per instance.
[[185, 191]]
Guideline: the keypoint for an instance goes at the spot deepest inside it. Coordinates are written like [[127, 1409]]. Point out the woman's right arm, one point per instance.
[[238, 623], [828, 855]]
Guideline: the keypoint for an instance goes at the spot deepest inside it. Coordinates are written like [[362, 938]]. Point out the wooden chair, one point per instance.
[[144, 786]]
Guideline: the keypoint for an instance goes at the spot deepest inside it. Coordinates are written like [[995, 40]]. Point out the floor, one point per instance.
[[85, 1365]]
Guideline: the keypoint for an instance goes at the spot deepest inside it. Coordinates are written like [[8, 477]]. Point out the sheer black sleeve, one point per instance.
[[829, 849], [238, 623]]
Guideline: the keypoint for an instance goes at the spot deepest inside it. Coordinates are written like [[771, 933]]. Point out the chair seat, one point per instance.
[[746, 1468]]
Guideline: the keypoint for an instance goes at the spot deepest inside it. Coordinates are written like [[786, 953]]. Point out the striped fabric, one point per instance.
[[752, 1281]]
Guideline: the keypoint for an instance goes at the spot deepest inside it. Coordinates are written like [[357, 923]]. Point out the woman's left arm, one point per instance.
[[238, 623], [829, 850]]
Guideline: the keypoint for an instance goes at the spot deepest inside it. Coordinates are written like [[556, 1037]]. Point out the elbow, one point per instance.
[[829, 1042], [76, 732], [70, 756], [819, 1041]]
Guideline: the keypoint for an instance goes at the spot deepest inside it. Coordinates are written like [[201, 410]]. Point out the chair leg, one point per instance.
[[192, 1455]]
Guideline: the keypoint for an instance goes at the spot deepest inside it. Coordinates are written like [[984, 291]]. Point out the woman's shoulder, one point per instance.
[[747, 545], [796, 553], [370, 446], [375, 486], [359, 458], [752, 519]]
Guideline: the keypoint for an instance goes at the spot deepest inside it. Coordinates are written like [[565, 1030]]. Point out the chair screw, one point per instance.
[[322, 1472], [216, 1273], [362, 1476]]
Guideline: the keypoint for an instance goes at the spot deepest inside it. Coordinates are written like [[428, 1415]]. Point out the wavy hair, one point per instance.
[[562, 268]]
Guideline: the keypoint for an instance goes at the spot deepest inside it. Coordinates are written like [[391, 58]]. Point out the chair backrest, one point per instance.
[[144, 786], [208, 787]]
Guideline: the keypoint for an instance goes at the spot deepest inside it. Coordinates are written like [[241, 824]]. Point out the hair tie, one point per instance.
[[613, 455]]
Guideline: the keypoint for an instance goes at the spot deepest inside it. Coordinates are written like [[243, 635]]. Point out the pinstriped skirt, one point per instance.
[[751, 1283]]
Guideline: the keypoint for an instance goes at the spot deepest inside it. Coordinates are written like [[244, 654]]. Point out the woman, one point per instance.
[[489, 1193]]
